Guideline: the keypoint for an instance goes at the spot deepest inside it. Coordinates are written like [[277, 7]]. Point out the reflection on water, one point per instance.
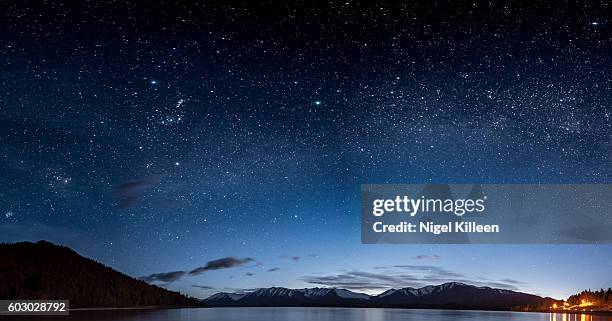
[[572, 317], [311, 314]]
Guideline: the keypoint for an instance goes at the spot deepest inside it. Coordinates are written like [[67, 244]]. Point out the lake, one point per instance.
[[312, 314]]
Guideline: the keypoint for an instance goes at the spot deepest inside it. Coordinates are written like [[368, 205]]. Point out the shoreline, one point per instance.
[[147, 307], [605, 313]]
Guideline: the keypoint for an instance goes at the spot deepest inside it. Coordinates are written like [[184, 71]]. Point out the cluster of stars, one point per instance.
[[271, 113]]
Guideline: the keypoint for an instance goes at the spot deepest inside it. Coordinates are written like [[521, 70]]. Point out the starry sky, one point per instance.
[[230, 139]]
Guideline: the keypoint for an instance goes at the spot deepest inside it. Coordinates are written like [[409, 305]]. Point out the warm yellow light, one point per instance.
[[554, 306]]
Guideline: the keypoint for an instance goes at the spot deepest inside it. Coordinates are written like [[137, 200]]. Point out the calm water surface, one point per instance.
[[313, 314]]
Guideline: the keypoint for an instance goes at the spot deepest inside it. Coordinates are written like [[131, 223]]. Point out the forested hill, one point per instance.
[[44, 270]]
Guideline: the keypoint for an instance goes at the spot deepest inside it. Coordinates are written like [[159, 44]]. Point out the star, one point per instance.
[[404, 95]]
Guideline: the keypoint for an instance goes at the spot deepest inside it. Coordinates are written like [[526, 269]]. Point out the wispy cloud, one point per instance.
[[431, 270], [274, 269], [128, 192], [512, 281], [402, 276], [293, 258], [167, 277], [434, 257], [224, 263]]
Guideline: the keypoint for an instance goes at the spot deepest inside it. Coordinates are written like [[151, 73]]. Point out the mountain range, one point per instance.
[[43, 270], [452, 295]]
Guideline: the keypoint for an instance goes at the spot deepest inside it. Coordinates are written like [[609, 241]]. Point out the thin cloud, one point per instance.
[[402, 276], [129, 192], [224, 263], [434, 257], [511, 281], [293, 258], [429, 269], [274, 269], [203, 287], [167, 277]]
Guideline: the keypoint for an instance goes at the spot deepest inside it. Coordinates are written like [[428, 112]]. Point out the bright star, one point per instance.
[[318, 102]]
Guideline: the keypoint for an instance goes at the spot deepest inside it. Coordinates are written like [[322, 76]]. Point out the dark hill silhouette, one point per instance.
[[44, 270]]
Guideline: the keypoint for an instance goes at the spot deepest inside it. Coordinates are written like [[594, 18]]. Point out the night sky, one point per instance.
[[159, 137]]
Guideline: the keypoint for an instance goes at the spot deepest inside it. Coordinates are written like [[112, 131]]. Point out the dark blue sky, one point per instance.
[[158, 137]]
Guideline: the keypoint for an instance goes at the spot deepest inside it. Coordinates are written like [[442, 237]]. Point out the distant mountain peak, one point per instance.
[[455, 295]]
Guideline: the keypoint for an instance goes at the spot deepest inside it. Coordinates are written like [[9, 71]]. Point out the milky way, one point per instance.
[[157, 137]]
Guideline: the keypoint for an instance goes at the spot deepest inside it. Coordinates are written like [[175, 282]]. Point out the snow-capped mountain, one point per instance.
[[454, 295], [421, 292], [224, 296], [290, 297]]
